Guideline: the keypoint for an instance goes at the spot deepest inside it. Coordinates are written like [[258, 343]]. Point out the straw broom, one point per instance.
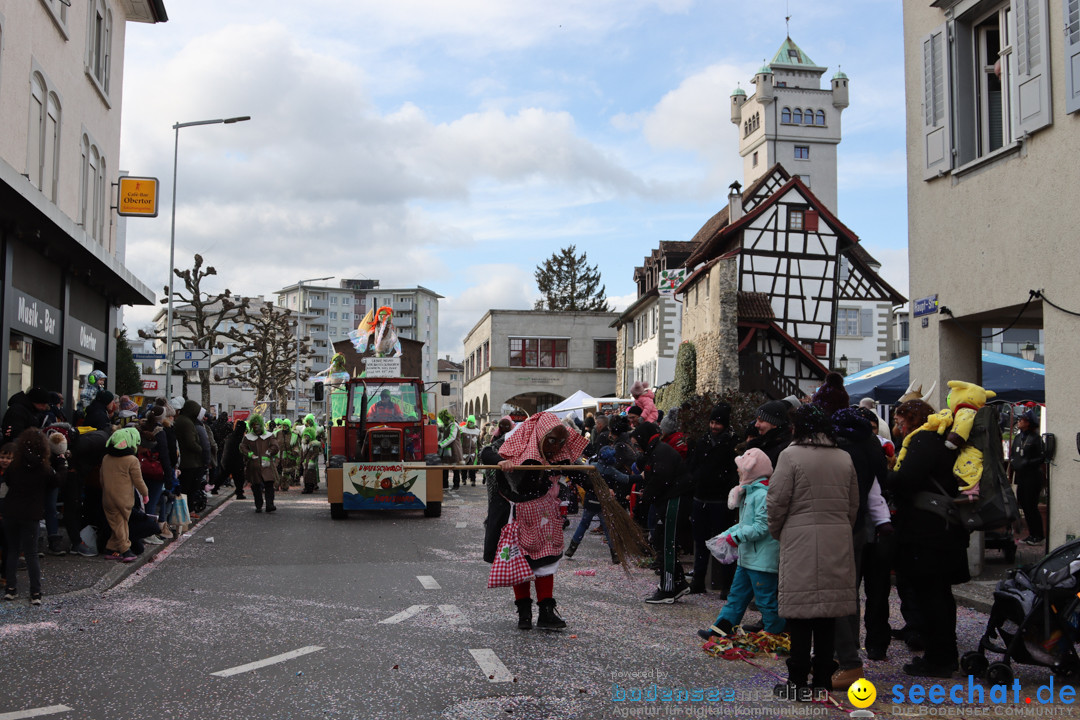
[[626, 537]]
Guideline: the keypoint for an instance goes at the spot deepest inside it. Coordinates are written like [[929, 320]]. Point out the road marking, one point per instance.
[[491, 665], [36, 712], [403, 615], [429, 582], [461, 525], [453, 614], [268, 661]]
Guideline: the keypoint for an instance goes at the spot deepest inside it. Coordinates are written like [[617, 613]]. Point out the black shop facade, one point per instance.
[[61, 296]]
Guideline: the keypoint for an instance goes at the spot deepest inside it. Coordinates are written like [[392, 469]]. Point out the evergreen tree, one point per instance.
[[128, 377], [566, 282]]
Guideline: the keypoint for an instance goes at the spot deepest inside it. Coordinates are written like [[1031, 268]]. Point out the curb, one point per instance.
[[121, 571]]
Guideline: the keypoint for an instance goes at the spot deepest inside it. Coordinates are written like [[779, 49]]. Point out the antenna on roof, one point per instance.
[[787, 19]]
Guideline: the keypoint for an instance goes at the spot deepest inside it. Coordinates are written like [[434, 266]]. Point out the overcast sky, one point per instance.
[[456, 145]]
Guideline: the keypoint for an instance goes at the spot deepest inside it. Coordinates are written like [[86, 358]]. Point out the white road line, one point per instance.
[[491, 665], [403, 615], [268, 661], [453, 614], [429, 582], [36, 712], [461, 525]]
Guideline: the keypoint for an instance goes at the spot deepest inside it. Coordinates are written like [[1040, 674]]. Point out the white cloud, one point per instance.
[[619, 303], [494, 287]]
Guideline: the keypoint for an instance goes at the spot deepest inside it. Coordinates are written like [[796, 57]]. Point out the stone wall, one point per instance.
[[710, 322]]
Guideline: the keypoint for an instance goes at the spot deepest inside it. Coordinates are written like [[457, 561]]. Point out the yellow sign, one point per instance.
[[137, 197]]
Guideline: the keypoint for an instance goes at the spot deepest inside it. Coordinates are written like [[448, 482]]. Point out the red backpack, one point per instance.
[[150, 465]]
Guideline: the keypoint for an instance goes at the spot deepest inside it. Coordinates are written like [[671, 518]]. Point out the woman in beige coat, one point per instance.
[[121, 478], [812, 502]]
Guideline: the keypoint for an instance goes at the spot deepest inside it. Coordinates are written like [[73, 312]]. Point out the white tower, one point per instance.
[[791, 120]]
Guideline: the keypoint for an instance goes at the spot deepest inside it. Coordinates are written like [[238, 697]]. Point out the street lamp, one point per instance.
[[172, 242], [1028, 352], [299, 309], [843, 361]]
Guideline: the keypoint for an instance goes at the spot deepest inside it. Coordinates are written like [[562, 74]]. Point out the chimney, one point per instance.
[[735, 206]]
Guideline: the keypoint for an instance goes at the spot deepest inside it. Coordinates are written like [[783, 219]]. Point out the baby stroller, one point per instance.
[[1033, 619]]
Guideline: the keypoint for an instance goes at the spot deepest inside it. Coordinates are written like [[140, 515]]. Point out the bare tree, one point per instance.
[[203, 316], [266, 354]]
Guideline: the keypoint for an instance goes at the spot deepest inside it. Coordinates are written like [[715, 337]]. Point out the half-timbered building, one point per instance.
[[767, 276]]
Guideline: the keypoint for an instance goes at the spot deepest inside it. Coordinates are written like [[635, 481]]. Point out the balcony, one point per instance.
[[404, 321]]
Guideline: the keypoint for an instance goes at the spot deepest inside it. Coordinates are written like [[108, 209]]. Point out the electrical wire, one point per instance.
[[1040, 294], [1032, 294]]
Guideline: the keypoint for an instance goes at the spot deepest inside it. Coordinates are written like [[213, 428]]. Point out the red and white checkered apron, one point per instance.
[[540, 525]]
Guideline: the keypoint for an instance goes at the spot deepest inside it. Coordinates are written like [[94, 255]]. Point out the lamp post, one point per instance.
[[300, 309], [172, 242], [1028, 352]]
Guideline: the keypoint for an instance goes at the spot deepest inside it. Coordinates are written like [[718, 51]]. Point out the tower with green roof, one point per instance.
[[791, 120]]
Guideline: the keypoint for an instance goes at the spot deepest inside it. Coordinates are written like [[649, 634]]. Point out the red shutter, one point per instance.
[[820, 349], [810, 221]]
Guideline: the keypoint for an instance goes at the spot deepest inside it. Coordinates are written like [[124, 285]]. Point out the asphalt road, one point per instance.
[[382, 615]]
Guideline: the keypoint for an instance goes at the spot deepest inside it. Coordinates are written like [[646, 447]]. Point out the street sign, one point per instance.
[[148, 356], [926, 306], [137, 197], [193, 364], [194, 354]]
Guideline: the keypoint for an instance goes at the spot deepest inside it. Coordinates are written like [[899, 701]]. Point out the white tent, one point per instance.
[[573, 405]]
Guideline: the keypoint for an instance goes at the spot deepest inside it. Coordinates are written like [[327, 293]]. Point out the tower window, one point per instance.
[[797, 117], [755, 159], [821, 118], [785, 115], [802, 152]]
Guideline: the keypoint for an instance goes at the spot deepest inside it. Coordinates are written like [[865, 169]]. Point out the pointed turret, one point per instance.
[[738, 97], [840, 90]]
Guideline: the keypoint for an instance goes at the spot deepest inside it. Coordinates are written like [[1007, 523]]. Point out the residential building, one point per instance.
[[453, 374], [416, 316], [326, 314], [533, 359], [780, 289], [649, 331], [64, 277], [993, 102]]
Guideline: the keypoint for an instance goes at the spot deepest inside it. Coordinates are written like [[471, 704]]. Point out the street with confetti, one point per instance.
[[387, 615]]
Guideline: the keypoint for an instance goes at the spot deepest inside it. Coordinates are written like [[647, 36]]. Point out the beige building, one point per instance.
[[533, 359], [453, 374], [993, 90], [64, 277]]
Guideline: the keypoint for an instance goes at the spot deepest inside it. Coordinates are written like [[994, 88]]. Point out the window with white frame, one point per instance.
[[92, 193], [43, 146], [333, 299], [986, 80], [99, 44], [802, 152], [847, 322], [333, 315]]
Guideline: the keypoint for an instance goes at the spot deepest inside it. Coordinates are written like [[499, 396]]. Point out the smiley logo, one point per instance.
[[862, 693]]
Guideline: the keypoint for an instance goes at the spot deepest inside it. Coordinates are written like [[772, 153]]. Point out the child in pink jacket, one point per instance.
[[643, 398]]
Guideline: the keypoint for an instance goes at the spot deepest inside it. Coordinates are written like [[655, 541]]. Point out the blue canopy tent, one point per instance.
[[1012, 378]]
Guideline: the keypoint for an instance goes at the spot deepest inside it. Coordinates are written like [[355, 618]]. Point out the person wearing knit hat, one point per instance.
[[831, 395], [774, 429], [759, 553], [669, 489], [712, 470], [100, 411]]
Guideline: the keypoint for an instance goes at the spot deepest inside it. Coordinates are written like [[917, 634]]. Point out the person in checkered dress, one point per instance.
[[540, 440]]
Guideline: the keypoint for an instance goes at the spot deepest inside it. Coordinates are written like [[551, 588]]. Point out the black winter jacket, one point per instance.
[[665, 474], [712, 466], [772, 443]]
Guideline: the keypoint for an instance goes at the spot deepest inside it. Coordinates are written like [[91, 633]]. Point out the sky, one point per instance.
[[458, 145]]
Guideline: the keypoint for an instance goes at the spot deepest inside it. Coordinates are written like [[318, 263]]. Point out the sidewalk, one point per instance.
[[66, 576], [978, 594]]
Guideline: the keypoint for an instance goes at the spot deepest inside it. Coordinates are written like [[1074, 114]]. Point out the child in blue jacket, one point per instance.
[[756, 576]]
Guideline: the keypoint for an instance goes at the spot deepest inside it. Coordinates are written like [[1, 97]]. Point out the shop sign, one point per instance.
[[137, 197], [85, 339], [29, 315], [149, 385]]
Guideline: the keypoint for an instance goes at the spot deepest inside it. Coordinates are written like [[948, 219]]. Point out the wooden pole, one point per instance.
[[564, 468]]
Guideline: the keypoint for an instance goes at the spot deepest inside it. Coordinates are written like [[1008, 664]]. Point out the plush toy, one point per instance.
[[939, 422], [964, 401]]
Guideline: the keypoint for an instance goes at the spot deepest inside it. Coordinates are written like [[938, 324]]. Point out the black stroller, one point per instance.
[[1034, 619]]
